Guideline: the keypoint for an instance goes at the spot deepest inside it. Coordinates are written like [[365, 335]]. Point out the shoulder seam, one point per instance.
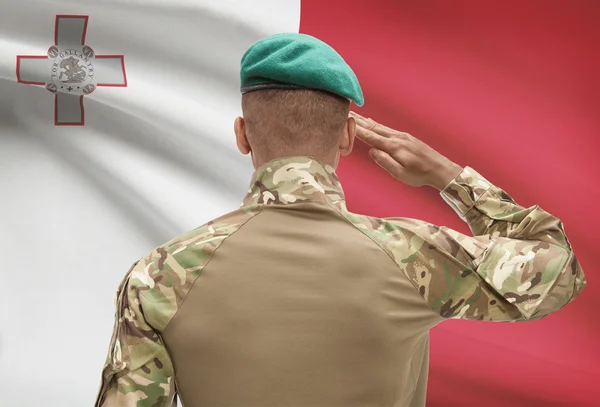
[[260, 208], [390, 256], [367, 236]]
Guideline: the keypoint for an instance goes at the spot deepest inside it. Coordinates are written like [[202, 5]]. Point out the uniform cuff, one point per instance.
[[463, 192]]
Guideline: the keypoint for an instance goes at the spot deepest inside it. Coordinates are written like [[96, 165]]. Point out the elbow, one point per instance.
[[576, 278], [567, 284]]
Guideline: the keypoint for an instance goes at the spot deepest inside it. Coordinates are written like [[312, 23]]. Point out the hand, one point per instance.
[[406, 158]]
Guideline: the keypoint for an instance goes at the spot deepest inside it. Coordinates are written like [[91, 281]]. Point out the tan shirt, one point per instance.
[[292, 300]]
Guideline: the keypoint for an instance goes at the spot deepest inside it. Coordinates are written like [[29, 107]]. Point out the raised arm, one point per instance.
[[518, 266]]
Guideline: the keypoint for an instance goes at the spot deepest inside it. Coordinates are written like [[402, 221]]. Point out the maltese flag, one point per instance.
[[116, 135]]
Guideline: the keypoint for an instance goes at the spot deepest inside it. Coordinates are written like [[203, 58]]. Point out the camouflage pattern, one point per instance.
[[138, 370], [518, 266], [294, 179]]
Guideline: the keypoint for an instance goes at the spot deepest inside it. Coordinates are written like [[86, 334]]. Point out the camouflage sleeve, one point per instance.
[[138, 370], [518, 266]]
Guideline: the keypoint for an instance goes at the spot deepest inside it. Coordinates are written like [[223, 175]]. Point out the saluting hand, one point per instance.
[[406, 158]]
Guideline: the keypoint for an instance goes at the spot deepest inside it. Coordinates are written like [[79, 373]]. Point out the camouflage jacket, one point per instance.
[[518, 266]]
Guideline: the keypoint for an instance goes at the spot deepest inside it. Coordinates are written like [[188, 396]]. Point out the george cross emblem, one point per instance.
[[71, 70]]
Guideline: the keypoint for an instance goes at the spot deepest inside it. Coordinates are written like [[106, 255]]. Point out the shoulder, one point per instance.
[[207, 237], [402, 237], [421, 250], [161, 279], [388, 232], [391, 234]]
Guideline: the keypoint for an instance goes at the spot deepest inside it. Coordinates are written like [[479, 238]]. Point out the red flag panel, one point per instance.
[[510, 88]]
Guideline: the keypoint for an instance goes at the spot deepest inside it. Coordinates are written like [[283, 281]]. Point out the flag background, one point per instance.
[[510, 89], [80, 204]]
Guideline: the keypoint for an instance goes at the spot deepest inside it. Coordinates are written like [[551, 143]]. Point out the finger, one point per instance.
[[356, 115], [388, 131], [379, 128], [375, 140], [361, 117], [387, 162], [365, 123]]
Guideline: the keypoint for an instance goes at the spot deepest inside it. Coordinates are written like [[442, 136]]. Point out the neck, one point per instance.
[[294, 179]]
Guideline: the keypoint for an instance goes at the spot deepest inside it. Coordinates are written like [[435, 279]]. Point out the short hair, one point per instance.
[[284, 122]]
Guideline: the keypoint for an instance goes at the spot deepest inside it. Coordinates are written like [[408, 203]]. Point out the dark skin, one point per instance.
[[406, 158]]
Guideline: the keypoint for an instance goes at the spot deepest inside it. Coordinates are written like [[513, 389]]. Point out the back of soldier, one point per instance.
[[292, 300], [299, 307]]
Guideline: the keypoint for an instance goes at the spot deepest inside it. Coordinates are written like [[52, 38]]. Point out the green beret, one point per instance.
[[297, 61]]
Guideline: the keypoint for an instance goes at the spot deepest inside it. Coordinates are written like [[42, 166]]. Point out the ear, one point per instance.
[[348, 136], [239, 127]]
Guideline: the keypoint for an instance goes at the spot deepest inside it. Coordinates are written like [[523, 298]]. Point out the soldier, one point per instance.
[[292, 300]]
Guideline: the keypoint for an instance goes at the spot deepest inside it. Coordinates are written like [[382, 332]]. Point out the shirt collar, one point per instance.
[[294, 179]]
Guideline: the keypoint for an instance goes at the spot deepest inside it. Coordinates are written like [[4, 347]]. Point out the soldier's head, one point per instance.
[[296, 94], [288, 122]]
